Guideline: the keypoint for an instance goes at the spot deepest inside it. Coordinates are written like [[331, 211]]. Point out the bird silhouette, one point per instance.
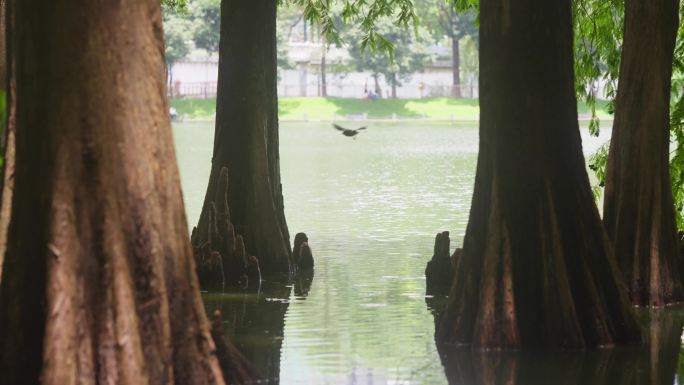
[[348, 132]]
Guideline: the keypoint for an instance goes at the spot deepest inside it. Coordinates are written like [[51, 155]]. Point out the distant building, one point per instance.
[[197, 76]]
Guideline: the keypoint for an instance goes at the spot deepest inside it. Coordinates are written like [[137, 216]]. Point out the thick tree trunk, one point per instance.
[[537, 270], [638, 208], [455, 69], [99, 282], [246, 135]]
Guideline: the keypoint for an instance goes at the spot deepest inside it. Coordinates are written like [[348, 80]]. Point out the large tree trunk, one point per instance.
[[537, 270], [99, 281], [246, 135], [638, 208]]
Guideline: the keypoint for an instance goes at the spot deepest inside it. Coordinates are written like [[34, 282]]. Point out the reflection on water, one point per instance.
[[654, 363], [254, 321], [371, 208]]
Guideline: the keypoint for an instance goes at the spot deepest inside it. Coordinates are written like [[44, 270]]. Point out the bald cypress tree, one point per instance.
[[537, 270], [246, 134], [99, 284], [638, 209]]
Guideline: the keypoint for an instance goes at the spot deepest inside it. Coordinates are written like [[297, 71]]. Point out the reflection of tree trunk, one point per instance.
[[256, 323], [639, 210], [537, 269], [246, 135], [455, 68], [99, 281], [654, 363]]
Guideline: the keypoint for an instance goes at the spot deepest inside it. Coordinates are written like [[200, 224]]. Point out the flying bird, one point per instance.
[[348, 132]]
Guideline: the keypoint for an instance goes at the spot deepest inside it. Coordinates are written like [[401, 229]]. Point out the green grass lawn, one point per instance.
[[318, 108]]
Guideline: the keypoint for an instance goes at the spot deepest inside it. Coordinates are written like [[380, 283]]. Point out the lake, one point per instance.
[[371, 207]]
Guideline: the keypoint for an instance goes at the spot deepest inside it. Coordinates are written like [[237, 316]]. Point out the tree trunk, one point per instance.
[[246, 135], [537, 270], [378, 90], [99, 282], [394, 86], [7, 71], [324, 81], [638, 208], [455, 68]]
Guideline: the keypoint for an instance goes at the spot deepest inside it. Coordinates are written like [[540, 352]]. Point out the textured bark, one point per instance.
[[7, 77], [638, 208], [246, 134], [537, 270], [222, 258], [99, 282]]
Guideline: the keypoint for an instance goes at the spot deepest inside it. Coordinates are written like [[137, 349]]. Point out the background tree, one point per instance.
[[638, 207], [537, 269], [443, 19], [206, 23], [177, 35], [409, 54], [99, 283], [246, 133]]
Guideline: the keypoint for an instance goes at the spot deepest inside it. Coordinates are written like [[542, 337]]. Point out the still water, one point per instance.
[[371, 208]]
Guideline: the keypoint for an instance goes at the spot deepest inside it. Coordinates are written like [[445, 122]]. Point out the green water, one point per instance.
[[371, 208]]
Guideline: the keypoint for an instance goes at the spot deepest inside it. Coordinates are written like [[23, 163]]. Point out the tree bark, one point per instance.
[[99, 282], [246, 134], [455, 68], [638, 207], [7, 71], [537, 270]]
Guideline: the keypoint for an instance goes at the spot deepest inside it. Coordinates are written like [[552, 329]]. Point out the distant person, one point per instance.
[[173, 113]]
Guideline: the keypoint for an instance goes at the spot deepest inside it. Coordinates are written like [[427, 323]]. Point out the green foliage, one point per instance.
[[206, 24], [174, 5], [598, 42], [677, 124], [597, 163], [177, 34], [364, 13], [409, 53], [445, 18]]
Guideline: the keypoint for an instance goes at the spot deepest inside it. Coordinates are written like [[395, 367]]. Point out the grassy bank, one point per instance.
[[325, 109]]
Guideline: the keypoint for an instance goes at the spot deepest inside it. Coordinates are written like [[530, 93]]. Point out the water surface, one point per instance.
[[371, 208]]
